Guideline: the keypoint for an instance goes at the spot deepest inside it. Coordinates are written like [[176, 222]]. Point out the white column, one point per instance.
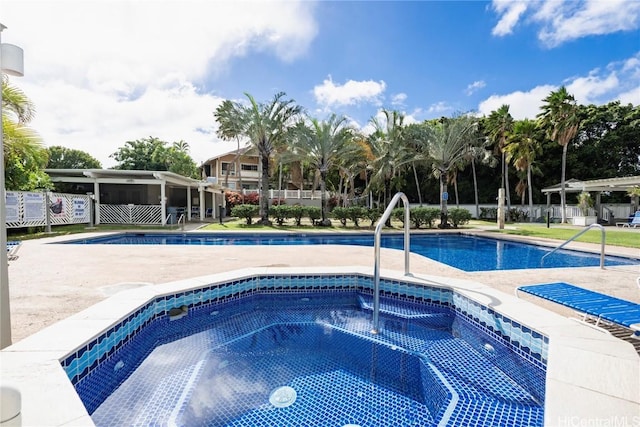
[[202, 209], [188, 212], [214, 207], [163, 203], [96, 192]]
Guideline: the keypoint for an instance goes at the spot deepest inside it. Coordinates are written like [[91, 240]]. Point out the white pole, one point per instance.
[[11, 64]]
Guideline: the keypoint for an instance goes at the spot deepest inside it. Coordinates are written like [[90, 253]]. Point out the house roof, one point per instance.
[[247, 150], [606, 184], [116, 176]]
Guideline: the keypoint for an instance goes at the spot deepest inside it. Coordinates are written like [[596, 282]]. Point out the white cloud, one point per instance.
[[573, 20], [352, 92], [510, 12], [439, 108], [562, 21], [104, 72], [617, 81], [474, 87], [522, 105], [398, 99]]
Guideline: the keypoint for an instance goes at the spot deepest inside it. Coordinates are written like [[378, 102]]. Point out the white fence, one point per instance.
[[290, 194], [29, 209], [130, 214]]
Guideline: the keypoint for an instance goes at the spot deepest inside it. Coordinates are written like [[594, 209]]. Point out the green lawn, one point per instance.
[[613, 236]]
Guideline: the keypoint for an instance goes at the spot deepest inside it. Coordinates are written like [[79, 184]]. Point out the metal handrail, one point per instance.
[[376, 244], [182, 221], [575, 237]]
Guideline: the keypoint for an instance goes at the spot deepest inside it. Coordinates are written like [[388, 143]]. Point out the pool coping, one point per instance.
[[590, 375]]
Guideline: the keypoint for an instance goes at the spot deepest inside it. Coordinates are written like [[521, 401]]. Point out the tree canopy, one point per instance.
[[156, 155], [69, 158]]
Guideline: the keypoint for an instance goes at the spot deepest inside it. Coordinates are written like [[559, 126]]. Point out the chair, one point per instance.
[[590, 303], [12, 250], [634, 221]]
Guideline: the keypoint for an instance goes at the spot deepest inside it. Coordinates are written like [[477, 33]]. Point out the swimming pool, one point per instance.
[[465, 252], [440, 359]]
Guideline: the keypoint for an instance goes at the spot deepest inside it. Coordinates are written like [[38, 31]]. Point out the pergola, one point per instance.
[[598, 186], [160, 188]]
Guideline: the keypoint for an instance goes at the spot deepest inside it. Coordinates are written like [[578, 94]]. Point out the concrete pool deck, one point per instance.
[[52, 282]]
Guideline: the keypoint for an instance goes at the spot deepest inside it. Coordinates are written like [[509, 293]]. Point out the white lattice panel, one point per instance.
[[130, 214]]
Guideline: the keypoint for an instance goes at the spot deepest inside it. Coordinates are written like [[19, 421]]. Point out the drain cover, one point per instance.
[[283, 396]]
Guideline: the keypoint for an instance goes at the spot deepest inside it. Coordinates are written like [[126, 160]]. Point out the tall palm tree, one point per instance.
[[323, 145], [417, 137], [560, 120], [388, 146], [448, 145], [523, 147], [267, 125], [231, 126], [498, 126]]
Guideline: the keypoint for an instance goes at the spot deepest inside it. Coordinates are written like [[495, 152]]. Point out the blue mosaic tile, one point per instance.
[[415, 318]]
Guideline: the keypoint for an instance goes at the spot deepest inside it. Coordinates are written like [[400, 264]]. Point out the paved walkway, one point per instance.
[[49, 282]]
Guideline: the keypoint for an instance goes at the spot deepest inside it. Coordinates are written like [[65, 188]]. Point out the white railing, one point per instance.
[[130, 214], [291, 194]]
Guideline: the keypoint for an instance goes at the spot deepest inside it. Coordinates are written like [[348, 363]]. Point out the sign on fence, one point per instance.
[[29, 209]]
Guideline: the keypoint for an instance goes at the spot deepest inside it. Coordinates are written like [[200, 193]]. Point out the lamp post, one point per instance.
[[12, 63]]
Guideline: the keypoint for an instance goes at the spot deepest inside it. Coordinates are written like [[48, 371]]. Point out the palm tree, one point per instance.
[[560, 120], [417, 137], [323, 145], [498, 126], [388, 146], [523, 147], [266, 126], [24, 153], [448, 145], [230, 126]]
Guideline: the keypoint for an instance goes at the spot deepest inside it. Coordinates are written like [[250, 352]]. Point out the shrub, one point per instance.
[[488, 213], [245, 211], [297, 212], [424, 216], [252, 199], [355, 213], [280, 213], [314, 213], [340, 214], [278, 202], [373, 214], [459, 216], [332, 203], [517, 215], [398, 214]]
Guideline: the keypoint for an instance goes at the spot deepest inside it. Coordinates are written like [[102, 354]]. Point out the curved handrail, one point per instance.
[[182, 221], [376, 244], [575, 237]]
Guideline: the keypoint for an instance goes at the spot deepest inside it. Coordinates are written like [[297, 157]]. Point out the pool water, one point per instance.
[[468, 253], [221, 364]]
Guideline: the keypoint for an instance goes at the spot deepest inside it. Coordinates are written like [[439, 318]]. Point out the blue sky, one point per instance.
[[104, 72]]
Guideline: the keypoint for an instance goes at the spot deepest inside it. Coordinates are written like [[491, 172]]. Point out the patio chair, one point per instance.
[[12, 250], [591, 304], [634, 221]]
